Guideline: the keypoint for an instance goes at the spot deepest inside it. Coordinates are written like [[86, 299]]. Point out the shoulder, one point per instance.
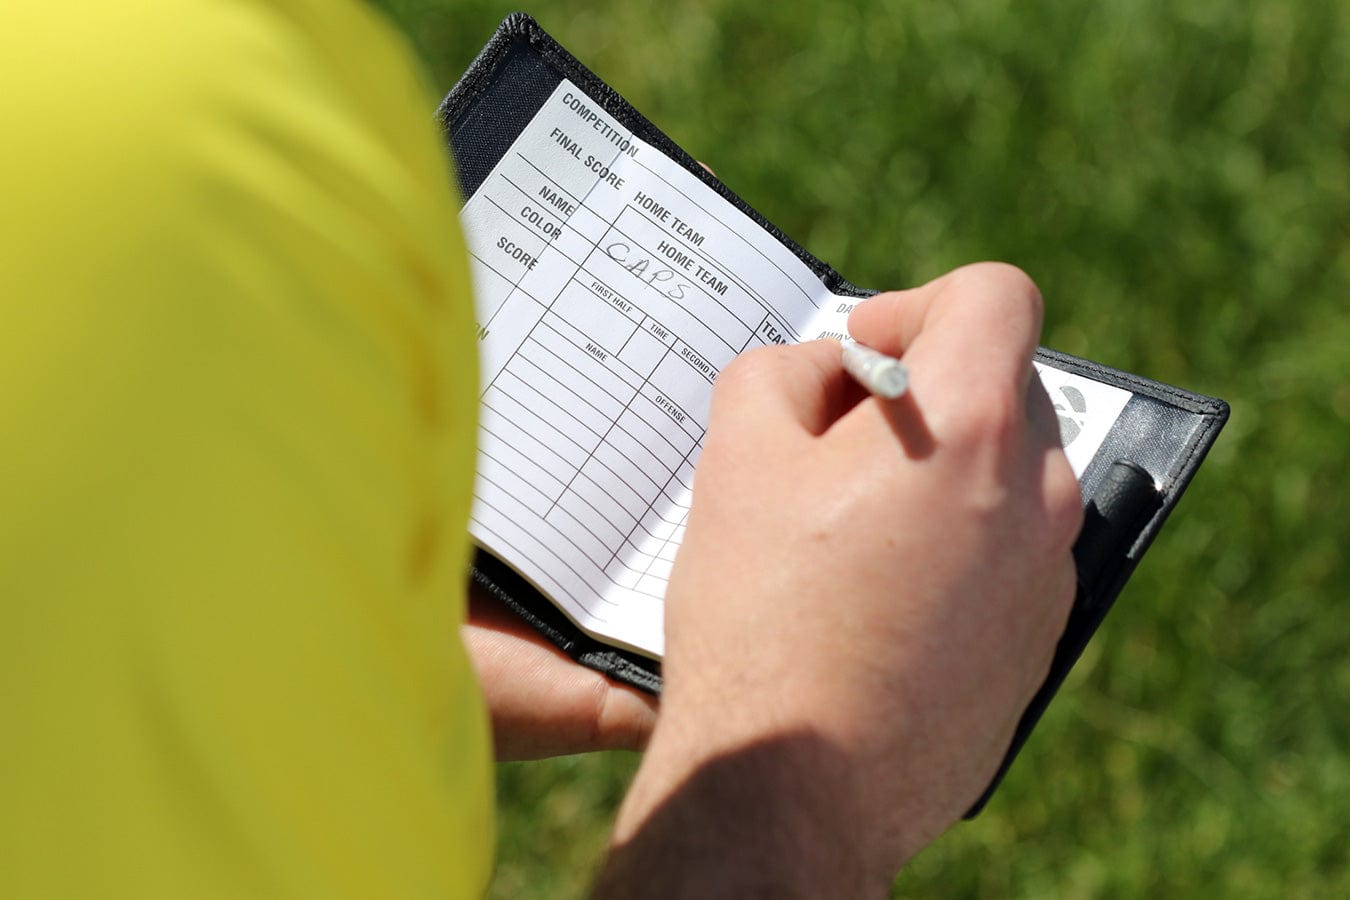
[[254, 158], [151, 107]]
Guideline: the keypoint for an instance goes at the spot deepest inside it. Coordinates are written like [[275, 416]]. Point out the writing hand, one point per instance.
[[868, 594]]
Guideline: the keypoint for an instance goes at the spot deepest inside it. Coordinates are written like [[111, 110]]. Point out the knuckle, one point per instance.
[[745, 373], [748, 378], [1004, 284], [751, 366], [613, 724], [1003, 278]]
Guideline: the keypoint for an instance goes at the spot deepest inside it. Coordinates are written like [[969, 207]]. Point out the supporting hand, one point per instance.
[[542, 703]]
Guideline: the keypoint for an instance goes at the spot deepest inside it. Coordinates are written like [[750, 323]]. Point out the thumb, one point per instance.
[[801, 386]]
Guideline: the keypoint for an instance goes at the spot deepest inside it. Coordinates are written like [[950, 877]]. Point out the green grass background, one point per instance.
[[1175, 176]]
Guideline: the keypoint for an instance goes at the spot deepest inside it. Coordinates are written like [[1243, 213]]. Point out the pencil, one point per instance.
[[885, 376]]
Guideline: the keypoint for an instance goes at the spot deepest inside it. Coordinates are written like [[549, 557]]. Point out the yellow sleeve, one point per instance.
[[236, 445]]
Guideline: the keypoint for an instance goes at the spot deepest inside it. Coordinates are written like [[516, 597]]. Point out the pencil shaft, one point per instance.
[[884, 376]]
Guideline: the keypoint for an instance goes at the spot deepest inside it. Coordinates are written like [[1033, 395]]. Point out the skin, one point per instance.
[[541, 702], [868, 594]]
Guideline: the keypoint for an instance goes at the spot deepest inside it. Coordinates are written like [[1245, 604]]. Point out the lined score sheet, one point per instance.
[[611, 287]]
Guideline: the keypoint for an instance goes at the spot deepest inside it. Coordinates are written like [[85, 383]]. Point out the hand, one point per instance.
[[540, 701], [868, 594]]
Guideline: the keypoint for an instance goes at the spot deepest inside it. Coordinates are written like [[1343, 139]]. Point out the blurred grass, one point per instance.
[[1175, 176]]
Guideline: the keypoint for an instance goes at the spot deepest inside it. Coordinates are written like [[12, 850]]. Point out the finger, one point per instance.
[[890, 321], [802, 386], [542, 703], [979, 323]]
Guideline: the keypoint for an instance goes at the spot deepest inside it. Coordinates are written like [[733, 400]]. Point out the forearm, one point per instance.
[[767, 819]]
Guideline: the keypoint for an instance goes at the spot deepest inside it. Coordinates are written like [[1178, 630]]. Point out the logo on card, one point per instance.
[[1072, 411]]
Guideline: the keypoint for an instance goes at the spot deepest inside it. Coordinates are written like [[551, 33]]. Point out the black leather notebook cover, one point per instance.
[[1132, 484]]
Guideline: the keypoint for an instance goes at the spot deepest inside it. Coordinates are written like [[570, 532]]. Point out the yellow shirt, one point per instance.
[[236, 425]]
